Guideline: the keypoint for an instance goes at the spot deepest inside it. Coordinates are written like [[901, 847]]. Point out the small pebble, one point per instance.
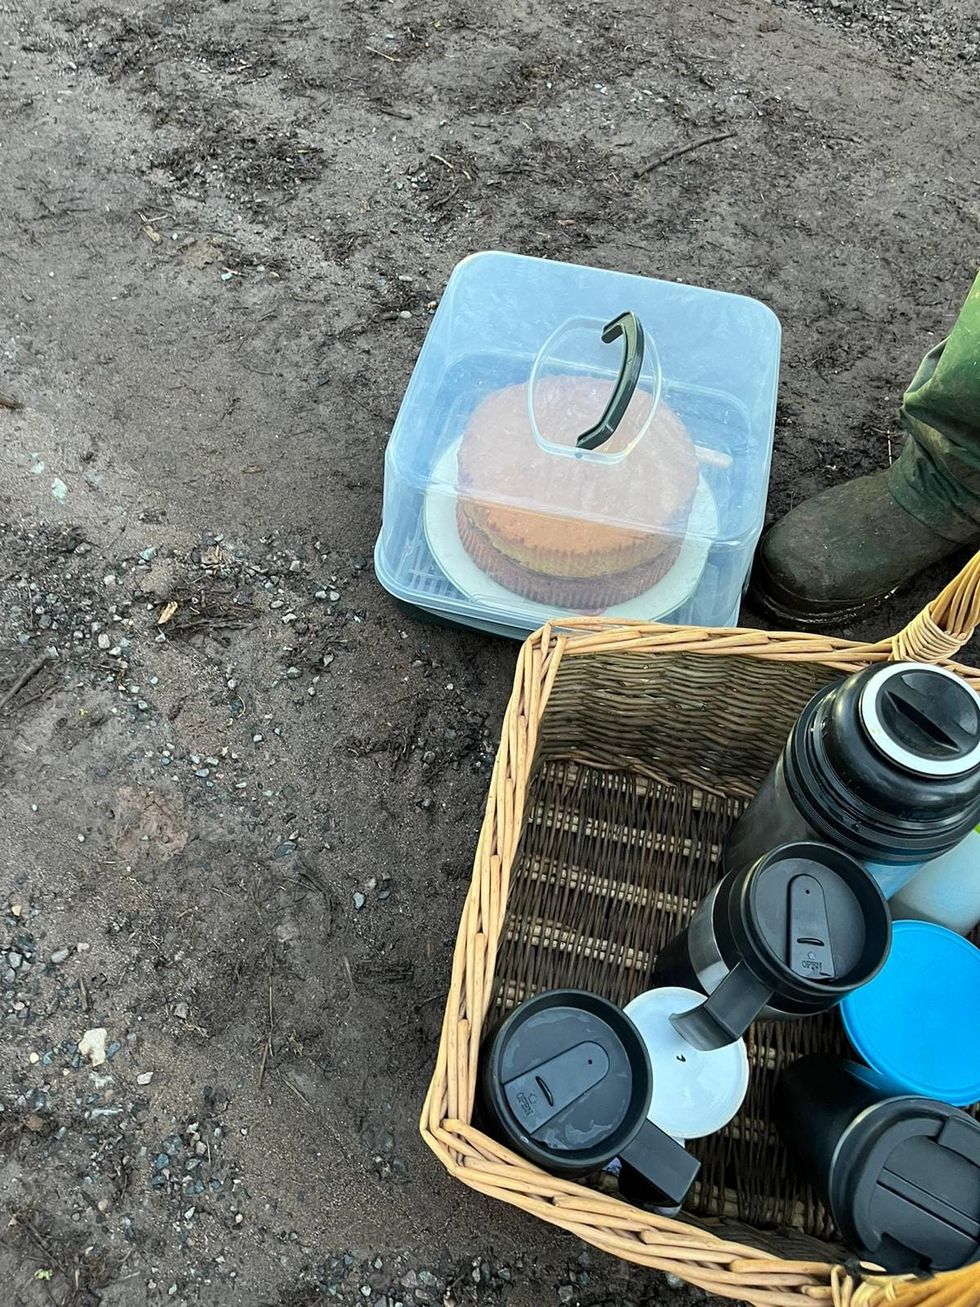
[[144, 1078], [59, 955], [92, 1045], [359, 900], [180, 1011]]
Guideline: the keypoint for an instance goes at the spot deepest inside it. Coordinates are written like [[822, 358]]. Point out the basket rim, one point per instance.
[[717, 1265]]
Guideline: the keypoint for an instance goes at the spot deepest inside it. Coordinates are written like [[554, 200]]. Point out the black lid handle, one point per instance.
[[666, 1167], [905, 706], [809, 951], [628, 326], [538, 1095], [725, 1016]]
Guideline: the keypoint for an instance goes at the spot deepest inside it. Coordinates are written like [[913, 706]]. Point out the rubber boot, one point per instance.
[[839, 555]]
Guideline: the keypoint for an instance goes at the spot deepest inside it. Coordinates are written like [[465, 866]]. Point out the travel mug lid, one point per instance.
[[816, 924], [568, 1079], [918, 1021], [923, 718], [798, 929], [905, 1188], [695, 1091]]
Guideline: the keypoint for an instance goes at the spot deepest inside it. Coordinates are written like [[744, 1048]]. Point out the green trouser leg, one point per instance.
[[937, 476]]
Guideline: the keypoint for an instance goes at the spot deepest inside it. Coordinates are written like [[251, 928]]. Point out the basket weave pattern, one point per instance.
[[626, 752]]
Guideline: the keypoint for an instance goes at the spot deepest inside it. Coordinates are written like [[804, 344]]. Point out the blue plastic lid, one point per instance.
[[918, 1021]]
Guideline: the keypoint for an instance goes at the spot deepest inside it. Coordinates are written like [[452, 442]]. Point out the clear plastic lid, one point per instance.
[[581, 440]]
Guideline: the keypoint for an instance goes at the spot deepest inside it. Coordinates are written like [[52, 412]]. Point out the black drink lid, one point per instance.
[[809, 921], [905, 1188], [799, 929], [924, 719], [566, 1081], [886, 764], [569, 1077]]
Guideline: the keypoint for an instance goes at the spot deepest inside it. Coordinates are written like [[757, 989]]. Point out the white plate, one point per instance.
[[662, 599]]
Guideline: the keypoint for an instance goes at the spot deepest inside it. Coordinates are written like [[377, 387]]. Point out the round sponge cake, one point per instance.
[[573, 532]]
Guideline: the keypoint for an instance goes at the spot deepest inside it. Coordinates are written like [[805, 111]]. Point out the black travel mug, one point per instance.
[[566, 1082], [899, 1174], [789, 936]]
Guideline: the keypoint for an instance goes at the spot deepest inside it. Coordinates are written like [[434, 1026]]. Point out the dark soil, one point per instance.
[[239, 840]]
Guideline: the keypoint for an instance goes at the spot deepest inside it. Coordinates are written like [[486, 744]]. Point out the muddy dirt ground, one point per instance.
[[239, 842]]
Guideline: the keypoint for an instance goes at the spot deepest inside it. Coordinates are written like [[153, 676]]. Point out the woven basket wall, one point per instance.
[[626, 753]]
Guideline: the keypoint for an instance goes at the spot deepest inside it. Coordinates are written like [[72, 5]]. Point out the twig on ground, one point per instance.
[[437, 204], [298, 1092], [39, 1242], [267, 1050], [41, 694], [682, 149], [24, 678], [8, 401], [391, 111]]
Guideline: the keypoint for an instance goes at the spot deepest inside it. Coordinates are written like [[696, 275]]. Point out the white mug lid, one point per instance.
[[695, 1091]]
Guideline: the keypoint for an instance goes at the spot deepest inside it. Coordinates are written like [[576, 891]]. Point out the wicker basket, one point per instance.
[[626, 752]]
